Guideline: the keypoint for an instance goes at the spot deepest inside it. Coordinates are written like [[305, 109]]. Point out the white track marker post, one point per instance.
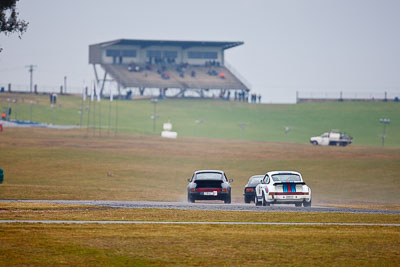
[[109, 111], [98, 100]]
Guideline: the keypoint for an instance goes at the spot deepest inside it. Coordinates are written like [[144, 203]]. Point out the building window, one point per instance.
[[170, 54], [112, 53], [120, 53], [128, 53], [201, 54], [154, 53]]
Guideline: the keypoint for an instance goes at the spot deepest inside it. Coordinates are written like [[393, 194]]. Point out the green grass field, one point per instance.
[[264, 122]]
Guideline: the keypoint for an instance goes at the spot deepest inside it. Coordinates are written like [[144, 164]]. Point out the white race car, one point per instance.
[[283, 187]]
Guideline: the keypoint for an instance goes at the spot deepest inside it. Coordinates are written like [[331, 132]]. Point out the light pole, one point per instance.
[[154, 116], [385, 122]]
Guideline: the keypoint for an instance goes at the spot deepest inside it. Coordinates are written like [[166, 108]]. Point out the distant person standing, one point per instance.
[[259, 98]]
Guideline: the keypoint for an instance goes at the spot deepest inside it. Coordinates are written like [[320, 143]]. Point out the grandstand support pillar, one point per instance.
[[201, 93], [95, 73], [102, 85], [180, 93], [119, 90]]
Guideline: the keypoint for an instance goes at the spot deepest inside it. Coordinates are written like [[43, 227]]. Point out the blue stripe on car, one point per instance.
[[285, 188], [293, 187]]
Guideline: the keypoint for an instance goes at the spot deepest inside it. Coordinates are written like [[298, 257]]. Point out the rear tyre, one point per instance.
[[314, 143], [256, 201], [264, 202], [298, 204], [228, 199], [190, 199], [247, 200], [307, 204]]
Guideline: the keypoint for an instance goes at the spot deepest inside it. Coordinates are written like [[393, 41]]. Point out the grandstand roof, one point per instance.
[[183, 44]]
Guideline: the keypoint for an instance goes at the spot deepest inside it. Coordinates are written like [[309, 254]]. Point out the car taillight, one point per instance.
[[271, 194], [192, 190], [306, 193], [224, 190], [249, 189]]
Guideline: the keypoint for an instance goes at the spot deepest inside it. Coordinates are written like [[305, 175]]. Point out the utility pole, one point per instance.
[[31, 68], [65, 84]]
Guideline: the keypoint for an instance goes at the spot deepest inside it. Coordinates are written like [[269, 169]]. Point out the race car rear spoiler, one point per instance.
[[280, 183]]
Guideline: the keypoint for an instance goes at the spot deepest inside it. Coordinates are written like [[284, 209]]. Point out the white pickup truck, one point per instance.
[[332, 138]]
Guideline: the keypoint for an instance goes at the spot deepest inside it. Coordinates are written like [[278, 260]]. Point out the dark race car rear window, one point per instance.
[[208, 176], [255, 181], [286, 178]]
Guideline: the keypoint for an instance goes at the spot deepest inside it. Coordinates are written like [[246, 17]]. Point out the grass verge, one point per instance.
[[199, 245]]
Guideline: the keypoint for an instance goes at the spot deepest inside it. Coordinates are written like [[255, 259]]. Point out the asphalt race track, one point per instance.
[[206, 206]]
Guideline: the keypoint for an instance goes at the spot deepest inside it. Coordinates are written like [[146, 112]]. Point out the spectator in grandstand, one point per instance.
[[133, 67], [212, 72], [193, 73], [149, 66], [222, 75], [179, 69], [182, 74], [165, 76]]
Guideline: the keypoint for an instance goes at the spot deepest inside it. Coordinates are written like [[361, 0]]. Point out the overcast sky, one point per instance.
[[319, 45]]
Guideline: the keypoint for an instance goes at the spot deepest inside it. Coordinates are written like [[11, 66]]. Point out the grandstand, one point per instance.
[[175, 68]]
